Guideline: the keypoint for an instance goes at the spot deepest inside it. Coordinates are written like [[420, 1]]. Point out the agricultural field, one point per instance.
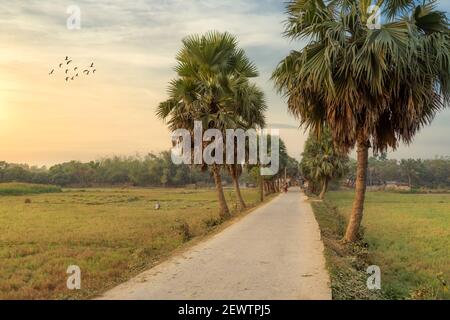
[[111, 234], [408, 237]]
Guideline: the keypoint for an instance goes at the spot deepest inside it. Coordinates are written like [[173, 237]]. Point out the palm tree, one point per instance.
[[321, 162], [211, 71], [371, 87], [250, 109]]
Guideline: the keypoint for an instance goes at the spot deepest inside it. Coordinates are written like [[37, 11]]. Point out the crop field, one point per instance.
[[111, 234], [409, 238]]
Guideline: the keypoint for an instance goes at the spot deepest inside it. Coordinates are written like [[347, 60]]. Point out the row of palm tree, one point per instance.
[[213, 86], [372, 87]]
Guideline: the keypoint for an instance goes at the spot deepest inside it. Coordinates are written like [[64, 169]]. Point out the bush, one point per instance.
[[211, 223]]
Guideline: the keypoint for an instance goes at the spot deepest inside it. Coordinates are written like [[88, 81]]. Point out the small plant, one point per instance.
[[234, 201], [442, 281], [212, 222], [425, 292], [27, 201], [185, 231]]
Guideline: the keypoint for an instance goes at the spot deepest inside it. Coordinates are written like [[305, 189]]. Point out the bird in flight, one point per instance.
[[72, 72]]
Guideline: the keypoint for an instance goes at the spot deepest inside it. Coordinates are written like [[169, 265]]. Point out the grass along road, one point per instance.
[[408, 236], [112, 234]]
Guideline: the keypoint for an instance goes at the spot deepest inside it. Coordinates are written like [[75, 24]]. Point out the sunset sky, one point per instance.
[[46, 120]]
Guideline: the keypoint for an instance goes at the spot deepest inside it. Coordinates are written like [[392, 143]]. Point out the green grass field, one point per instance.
[[111, 234], [409, 238]]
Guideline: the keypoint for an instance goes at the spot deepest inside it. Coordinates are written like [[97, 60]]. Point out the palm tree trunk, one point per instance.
[[310, 188], [351, 235], [324, 189], [266, 188], [235, 177], [224, 212], [261, 186]]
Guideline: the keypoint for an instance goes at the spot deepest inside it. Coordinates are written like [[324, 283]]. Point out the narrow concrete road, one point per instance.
[[273, 253]]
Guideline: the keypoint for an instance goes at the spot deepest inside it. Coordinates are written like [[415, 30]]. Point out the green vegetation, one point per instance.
[[417, 173], [146, 171], [407, 235], [346, 264], [321, 163], [18, 189], [112, 234], [150, 170]]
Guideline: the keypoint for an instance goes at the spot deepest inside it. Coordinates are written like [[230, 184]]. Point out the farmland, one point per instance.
[[408, 236], [111, 234]]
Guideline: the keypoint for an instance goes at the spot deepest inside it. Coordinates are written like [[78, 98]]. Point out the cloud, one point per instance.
[[134, 44]]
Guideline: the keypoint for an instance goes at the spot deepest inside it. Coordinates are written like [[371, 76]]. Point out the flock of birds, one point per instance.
[[72, 73]]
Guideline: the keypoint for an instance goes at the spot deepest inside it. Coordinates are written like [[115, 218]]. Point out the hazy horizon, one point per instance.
[[45, 120]]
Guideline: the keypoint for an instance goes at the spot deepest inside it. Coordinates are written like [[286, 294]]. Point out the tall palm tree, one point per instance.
[[211, 70], [372, 87]]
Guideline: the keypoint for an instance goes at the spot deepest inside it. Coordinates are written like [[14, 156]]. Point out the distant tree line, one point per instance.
[[417, 173], [321, 164], [157, 170], [151, 170]]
